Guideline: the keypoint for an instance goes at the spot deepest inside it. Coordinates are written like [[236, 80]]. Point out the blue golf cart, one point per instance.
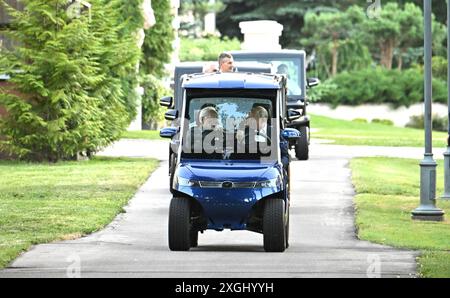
[[230, 172]]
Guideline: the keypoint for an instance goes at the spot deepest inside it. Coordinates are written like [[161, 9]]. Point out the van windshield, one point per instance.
[[229, 127]]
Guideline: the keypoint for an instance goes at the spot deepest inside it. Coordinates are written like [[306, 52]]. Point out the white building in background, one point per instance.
[[261, 35]]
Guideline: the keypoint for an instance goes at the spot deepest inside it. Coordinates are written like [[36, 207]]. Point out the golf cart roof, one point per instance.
[[233, 80]]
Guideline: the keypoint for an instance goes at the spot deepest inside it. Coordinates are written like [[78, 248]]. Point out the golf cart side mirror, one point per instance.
[[168, 132], [166, 101], [293, 115], [171, 115], [313, 82], [291, 134]]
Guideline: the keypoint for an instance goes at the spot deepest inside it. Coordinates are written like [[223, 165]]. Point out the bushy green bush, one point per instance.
[[379, 85], [206, 49], [73, 79], [360, 120], [439, 123], [152, 112], [383, 121]]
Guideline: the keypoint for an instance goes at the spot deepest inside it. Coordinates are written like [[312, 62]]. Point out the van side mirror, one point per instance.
[[312, 82], [166, 101], [291, 134], [171, 115], [293, 115], [168, 132]]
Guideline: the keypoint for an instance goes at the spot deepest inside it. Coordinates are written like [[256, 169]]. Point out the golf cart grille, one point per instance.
[[226, 184]]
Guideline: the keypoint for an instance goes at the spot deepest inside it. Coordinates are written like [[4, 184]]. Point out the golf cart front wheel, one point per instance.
[[180, 224], [274, 226]]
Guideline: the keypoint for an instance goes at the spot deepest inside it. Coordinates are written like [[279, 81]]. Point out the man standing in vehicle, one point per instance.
[[226, 62]]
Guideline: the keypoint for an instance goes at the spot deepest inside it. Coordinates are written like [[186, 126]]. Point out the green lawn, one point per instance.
[[143, 134], [388, 190], [40, 203], [371, 134]]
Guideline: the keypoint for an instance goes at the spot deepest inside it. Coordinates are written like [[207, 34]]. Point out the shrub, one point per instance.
[[152, 112], [383, 121], [206, 49], [439, 123], [379, 85], [360, 120]]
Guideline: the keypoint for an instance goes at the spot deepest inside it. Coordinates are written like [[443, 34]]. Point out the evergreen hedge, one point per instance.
[[74, 80], [378, 86]]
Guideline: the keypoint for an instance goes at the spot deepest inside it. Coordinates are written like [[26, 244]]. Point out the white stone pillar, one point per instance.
[[210, 20], [261, 35]]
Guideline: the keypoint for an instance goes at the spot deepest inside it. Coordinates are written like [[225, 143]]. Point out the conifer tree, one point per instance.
[[72, 80]]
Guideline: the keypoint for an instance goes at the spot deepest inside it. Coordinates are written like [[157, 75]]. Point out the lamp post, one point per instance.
[[446, 195], [427, 209]]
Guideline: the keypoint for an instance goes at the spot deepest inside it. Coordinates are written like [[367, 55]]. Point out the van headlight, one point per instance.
[[186, 182], [272, 183]]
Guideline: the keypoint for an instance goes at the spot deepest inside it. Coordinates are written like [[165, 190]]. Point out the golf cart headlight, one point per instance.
[[272, 183], [186, 182]]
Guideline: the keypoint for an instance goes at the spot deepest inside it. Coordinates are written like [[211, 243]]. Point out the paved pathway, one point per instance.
[[322, 237]]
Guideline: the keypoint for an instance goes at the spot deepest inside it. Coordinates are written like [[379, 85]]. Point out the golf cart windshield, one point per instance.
[[288, 67], [237, 125]]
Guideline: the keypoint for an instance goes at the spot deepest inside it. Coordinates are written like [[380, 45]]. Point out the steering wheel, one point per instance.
[[247, 136]]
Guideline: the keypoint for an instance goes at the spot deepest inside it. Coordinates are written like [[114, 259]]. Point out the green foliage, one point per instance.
[[73, 80], [152, 112], [379, 85], [157, 46], [206, 49], [360, 120], [383, 121], [335, 36], [439, 123], [439, 67], [323, 90], [289, 13]]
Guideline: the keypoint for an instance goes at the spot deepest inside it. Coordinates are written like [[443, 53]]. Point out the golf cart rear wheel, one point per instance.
[[180, 224], [274, 226], [302, 146]]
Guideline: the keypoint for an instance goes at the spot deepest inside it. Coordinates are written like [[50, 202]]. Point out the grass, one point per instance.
[[142, 134], [41, 203], [388, 190], [344, 132]]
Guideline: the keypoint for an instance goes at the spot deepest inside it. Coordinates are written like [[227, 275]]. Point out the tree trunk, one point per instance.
[[334, 58], [387, 53], [400, 59]]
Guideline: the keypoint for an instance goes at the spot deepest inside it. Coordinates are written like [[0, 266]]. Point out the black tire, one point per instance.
[[194, 238], [287, 229], [274, 226], [302, 146], [180, 224]]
